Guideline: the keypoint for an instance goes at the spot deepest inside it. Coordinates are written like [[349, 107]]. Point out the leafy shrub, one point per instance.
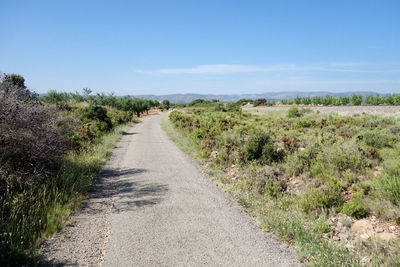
[[300, 161], [54, 97], [328, 196], [259, 102], [233, 107], [356, 99], [355, 207], [97, 113], [166, 104], [336, 158], [395, 130], [120, 117], [218, 106], [389, 182], [260, 147], [293, 112], [200, 103], [376, 140], [175, 117]]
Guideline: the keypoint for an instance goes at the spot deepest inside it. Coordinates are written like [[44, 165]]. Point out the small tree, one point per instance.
[[166, 103], [86, 92], [260, 101], [356, 100], [15, 80]]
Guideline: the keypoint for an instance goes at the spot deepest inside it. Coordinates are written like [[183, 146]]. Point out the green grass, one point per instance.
[[42, 210]]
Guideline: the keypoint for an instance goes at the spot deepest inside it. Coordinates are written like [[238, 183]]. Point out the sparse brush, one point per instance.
[[323, 165]]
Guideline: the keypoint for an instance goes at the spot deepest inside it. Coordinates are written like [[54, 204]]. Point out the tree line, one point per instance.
[[329, 100], [126, 103]]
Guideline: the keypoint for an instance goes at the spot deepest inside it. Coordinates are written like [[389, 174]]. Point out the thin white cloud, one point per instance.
[[346, 64], [222, 69]]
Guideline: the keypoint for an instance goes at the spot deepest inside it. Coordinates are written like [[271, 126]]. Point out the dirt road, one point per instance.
[[165, 212]]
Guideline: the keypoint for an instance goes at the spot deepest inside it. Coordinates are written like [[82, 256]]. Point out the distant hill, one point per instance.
[[187, 98]]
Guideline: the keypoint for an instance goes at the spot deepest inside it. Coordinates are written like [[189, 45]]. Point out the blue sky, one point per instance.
[[218, 46]]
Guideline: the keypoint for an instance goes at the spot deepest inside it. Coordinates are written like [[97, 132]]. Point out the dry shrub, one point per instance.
[[30, 144], [290, 143], [269, 181]]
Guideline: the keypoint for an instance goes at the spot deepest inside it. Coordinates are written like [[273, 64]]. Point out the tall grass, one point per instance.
[[41, 210]]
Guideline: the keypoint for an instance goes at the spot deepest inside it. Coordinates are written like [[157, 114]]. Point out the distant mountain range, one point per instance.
[[187, 98]]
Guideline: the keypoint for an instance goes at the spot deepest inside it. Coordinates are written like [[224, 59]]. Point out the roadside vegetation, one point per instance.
[[51, 150], [328, 183]]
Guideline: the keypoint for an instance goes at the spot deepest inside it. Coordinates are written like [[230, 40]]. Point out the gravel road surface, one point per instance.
[[165, 212]]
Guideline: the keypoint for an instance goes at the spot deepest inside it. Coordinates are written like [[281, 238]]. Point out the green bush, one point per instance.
[[298, 163], [389, 182], [377, 140], [259, 102], [120, 117], [175, 117], [355, 207], [260, 147], [97, 113], [356, 99], [293, 112], [330, 195], [233, 107], [337, 158], [218, 106]]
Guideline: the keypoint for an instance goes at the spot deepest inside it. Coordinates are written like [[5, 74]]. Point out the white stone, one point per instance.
[[214, 154], [364, 236]]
